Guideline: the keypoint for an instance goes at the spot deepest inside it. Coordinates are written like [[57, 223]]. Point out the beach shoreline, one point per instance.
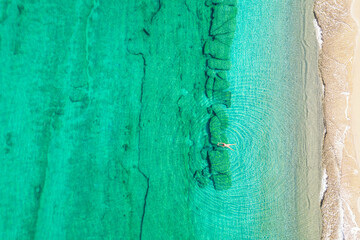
[[338, 55]]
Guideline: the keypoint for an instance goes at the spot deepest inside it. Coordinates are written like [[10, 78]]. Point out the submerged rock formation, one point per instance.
[[217, 51]]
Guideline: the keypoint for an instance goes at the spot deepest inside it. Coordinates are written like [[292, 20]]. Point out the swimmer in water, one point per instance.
[[225, 145]]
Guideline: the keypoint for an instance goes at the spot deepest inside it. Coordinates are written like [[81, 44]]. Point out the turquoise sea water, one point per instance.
[[103, 117], [269, 117]]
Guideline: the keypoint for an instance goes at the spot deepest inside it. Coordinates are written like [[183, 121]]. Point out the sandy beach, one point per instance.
[[338, 56], [350, 178]]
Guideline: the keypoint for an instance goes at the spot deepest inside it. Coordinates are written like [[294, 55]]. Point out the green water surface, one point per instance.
[[103, 114]]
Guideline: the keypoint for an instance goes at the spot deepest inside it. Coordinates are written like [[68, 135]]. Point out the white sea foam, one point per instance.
[[318, 33], [323, 184], [347, 94], [341, 233]]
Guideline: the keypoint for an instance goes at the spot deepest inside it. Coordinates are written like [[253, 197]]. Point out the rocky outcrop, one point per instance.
[[216, 49]]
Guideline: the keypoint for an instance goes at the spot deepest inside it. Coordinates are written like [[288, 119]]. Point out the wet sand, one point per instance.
[[339, 203]]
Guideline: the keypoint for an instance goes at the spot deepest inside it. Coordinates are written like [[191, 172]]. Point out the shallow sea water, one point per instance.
[[103, 113], [275, 121]]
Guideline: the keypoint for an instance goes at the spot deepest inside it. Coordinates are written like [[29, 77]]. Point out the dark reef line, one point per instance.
[[217, 51]]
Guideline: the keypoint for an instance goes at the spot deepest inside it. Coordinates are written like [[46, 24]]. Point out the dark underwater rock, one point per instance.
[[211, 73], [201, 179], [215, 126], [220, 84], [219, 111], [218, 138], [221, 74], [226, 38], [224, 13], [216, 133], [223, 97], [222, 181], [218, 64], [215, 84], [224, 20], [217, 49], [209, 87], [224, 2], [219, 162], [226, 28]]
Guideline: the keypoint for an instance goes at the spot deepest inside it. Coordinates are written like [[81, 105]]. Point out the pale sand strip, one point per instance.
[[350, 177], [340, 203]]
